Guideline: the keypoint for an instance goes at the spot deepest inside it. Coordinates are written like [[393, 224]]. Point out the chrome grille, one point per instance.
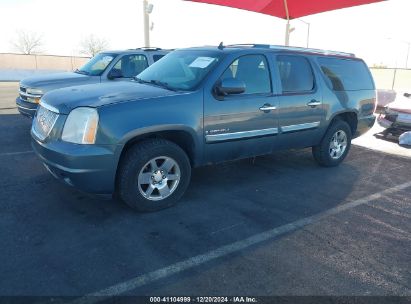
[[44, 122], [33, 98], [23, 90]]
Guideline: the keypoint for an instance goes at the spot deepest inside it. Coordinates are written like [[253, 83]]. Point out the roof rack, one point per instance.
[[148, 48], [293, 48]]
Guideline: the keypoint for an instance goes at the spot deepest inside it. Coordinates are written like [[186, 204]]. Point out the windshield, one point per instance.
[[96, 65], [180, 70]]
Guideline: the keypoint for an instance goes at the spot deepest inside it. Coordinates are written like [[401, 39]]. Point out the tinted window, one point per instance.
[[131, 65], [253, 71], [346, 74], [295, 73], [157, 57]]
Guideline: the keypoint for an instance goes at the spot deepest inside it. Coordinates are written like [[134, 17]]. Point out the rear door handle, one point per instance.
[[267, 107], [314, 103]]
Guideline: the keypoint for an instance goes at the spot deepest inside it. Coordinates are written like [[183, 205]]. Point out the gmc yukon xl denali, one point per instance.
[[140, 139], [104, 67]]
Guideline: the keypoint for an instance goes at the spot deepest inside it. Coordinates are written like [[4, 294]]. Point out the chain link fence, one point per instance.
[[392, 79]]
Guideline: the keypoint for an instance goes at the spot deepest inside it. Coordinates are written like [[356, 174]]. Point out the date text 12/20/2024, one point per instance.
[[203, 300]]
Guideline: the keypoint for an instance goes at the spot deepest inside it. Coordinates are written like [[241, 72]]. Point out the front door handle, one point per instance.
[[314, 103], [267, 107]]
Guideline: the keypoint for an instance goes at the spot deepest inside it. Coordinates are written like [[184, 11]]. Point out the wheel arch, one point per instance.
[[350, 117], [183, 136]]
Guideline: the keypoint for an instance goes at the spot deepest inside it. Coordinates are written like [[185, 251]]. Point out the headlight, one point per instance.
[[34, 91], [81, 126]]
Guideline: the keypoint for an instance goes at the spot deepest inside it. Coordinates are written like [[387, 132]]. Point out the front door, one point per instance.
[[246, 124], [129, 66]]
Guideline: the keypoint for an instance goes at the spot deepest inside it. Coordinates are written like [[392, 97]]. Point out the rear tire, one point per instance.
[[153, 175], [334, 146]]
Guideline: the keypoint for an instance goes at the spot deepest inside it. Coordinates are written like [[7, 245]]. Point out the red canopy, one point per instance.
[[296, 8]]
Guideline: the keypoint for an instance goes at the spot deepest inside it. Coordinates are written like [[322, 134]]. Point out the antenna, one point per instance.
[[221, 46]]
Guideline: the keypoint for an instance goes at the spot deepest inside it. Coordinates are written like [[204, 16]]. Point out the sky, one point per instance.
[[379, 33]]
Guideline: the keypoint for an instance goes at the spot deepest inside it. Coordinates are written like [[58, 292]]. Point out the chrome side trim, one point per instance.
[[242, 134], [48, 107], [267, 108], [300, 127]]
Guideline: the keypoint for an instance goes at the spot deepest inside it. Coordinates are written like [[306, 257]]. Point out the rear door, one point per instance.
[[242, 125], [300, 109]]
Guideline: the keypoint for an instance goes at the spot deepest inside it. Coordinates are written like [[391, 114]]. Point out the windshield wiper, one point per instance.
[[81, 72], [140, 80], [162, 84], [159, 83]]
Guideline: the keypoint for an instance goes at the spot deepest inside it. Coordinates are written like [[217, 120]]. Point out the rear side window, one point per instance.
[[346, 74], [157, 57], [295, 73]]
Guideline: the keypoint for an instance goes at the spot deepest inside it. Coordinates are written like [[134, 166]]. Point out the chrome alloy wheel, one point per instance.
[[338, 144], [159, 178]]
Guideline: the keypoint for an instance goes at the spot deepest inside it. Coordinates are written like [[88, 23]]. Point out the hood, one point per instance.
[[50, 81], [401, 104], [95, 95]]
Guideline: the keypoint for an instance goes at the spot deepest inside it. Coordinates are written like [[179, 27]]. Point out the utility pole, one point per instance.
[[287, 27], [287, 33], [308, 30], [146, 18]]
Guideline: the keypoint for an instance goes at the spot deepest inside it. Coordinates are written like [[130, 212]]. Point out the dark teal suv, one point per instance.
[[202, 106]]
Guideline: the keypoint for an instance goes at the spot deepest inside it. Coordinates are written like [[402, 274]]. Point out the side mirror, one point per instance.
[[230, 86], [114, 73]]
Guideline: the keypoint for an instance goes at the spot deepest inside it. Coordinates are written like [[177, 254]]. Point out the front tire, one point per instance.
[[334, 146], [153, 175]]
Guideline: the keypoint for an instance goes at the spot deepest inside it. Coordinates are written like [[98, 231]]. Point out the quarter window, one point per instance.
[[346, 74], [157, 57], [253, 71], [131, 65], [295, 73]]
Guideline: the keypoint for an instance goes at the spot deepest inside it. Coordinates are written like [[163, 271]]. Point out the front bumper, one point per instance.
[[25, 108], [365, 124], [89, 168]]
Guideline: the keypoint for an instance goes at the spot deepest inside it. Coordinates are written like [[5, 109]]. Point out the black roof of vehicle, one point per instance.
[[237, 47], [142, 49]]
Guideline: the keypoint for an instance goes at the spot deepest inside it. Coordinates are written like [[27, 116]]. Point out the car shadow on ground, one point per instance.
[[390, 138]]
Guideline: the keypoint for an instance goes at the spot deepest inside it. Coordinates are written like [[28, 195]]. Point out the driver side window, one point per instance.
[[253, 71], [131, 65]]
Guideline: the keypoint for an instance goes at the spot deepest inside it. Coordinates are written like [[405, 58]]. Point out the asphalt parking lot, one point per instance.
[[276, 225]]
